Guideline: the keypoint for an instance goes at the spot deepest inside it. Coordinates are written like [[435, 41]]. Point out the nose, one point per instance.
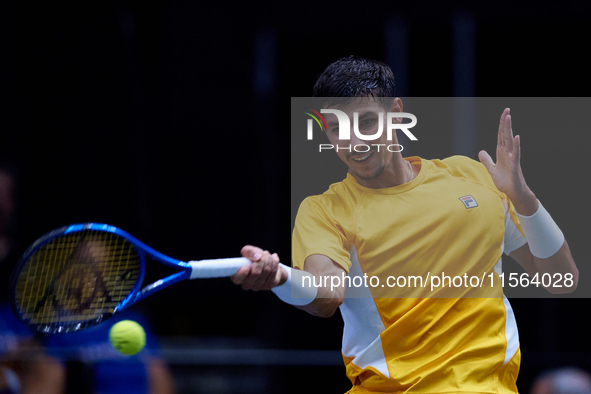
[[355, 140]]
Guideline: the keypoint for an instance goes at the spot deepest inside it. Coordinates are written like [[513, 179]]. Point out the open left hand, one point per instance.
[[506, 172]]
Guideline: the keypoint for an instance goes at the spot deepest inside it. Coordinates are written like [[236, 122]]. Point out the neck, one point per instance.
[[397, 173]]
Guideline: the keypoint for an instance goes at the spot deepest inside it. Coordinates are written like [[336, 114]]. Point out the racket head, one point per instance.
[[75, 277]]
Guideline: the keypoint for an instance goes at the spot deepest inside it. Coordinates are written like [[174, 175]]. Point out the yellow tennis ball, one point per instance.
[[128, 337]]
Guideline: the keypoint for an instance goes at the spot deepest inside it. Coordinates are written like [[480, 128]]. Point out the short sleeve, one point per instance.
[[476, 172], [316, 231]]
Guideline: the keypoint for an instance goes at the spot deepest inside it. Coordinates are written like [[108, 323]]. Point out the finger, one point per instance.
[[262, 273], [248, 280], [252, 253], [239, 277], [517, 150], [502, 136], [262, 261], [268, 270], [257, 270], [508, 134], [485, 159], [263, 282], [276, 273], [281, 275], [501, 128]]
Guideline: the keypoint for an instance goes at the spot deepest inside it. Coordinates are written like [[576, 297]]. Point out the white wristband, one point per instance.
[[542, 233], [294, 291]]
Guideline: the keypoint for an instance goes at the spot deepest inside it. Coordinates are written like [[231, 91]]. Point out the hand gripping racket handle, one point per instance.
[[217, 268]]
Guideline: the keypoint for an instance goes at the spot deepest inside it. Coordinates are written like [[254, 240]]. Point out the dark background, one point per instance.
[[170, 120]]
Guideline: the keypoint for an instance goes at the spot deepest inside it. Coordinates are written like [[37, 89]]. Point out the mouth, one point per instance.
[[362, 158]]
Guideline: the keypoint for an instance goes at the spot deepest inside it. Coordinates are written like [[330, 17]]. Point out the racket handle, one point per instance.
[[217, 268]]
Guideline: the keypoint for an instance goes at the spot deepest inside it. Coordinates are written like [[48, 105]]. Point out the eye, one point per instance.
[[367, 122]]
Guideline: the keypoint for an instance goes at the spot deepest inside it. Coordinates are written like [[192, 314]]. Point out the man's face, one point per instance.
[[367, 160]]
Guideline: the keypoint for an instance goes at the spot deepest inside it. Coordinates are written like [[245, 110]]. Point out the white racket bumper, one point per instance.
[[217, 268], [296, 290]]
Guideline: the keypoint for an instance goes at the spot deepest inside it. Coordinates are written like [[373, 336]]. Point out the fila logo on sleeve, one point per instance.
[[469, 201]]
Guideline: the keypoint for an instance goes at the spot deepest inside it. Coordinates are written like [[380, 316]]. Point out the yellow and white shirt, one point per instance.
[[450, 219]]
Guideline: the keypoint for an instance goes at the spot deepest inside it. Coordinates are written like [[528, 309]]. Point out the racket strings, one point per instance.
[[76, 279]]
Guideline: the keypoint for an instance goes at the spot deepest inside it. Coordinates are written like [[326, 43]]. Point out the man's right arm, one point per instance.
[[265, 274], [328, 298]]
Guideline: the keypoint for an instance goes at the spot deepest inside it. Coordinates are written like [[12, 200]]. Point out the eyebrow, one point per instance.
[[362, 115], [367, 114]]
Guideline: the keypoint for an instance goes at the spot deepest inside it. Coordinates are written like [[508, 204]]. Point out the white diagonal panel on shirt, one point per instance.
[[363, 324]]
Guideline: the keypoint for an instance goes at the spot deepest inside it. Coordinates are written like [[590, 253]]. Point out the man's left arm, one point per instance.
[[546, 251], [561, 262]]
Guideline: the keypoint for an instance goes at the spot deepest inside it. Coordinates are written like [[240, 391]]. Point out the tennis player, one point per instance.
[[393, 214]]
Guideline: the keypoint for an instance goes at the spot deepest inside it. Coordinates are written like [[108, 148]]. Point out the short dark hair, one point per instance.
[[355, 76]]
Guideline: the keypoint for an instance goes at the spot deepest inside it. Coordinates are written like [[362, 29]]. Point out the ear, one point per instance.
[[396, 105]]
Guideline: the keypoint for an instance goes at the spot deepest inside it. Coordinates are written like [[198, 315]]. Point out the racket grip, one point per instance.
[[217, 268]]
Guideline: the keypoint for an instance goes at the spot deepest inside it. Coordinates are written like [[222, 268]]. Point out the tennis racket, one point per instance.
[[77, 276]]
